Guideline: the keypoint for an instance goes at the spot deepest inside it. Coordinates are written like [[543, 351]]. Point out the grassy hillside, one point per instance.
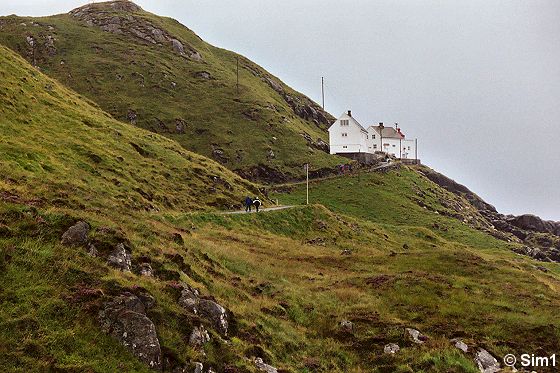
[[159, 75], [56, 148], [382, 251]]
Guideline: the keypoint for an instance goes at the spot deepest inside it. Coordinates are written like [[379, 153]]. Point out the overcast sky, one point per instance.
[[476, 81]]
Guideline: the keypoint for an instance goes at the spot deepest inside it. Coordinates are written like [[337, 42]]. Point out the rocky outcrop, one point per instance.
[[120, 258], [541, 237], [302, 106], [415, 336], [391, 348], [459, 344], [199, 336], [486, 362], [76, 235], [263, 367], [124, 318], [456, 188], [119, 17], [208, 309]]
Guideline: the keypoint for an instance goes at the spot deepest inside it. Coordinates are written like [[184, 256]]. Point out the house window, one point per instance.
[[375, 146], [344, 122], [373, 137], [393, 146], [344, 147], [344, 134], [409, 148], [367, 137]]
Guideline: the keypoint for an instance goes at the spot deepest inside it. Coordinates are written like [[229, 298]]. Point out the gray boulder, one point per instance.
[[215, 313], [120, 258], [458, 343], [124, 318], [76, 235], [346, 326], [416, 336], [391, 348], [189, 300], [198, 367], [486, 362], [263, 367], [206, 308], [199, 336], [178, 46]]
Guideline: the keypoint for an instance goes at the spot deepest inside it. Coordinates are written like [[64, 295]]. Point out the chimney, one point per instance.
[[349, 113], [396, 126], [380, 123]]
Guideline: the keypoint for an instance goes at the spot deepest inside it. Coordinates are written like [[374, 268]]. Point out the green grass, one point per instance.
[[413, 263], [122, 73]]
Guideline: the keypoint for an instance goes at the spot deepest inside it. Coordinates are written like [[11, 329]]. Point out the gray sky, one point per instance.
[[477, 81]]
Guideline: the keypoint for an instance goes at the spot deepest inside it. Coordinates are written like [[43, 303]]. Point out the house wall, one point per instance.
[[354, 141]]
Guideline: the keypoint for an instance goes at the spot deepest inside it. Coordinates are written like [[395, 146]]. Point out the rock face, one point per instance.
[[391, 348], [206, 308], [119, 17], [263, 367], [529, 229], [120, 258], [486, 362], [76, 235], [124, 318]]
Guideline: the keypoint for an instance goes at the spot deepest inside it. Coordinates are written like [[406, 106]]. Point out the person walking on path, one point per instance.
[[257, 203], [248, 204]]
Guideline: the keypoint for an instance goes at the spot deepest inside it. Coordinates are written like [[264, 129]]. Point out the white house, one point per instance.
[[392, 141], [347, 137]]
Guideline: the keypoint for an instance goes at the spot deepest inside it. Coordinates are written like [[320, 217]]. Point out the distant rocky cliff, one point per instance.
[[541, 237]]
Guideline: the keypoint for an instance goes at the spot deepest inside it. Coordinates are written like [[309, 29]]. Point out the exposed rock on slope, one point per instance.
[[124, 318], [121, 57], [530, 229]]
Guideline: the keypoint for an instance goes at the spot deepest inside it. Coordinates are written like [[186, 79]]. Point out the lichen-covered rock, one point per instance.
[[189, 299], [120, 258], [486, 362], [416, 336], [146, 270], [263, 367], [178, 46], [391, 348], [199, 336], [346, 326], [206, 308], [124, 318], [76, 235], [215, 313], [458, 343]]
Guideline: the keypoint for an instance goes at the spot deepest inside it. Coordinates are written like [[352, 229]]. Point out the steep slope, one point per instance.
[[58, 149], [155, 73]]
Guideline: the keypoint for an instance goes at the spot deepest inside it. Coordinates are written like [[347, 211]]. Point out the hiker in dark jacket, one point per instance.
[[257, 203], [248, 204]]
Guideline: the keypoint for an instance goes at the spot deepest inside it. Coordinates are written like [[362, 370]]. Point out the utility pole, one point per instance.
[[307, 182], [323, 91], [416, 151], [237, 75]]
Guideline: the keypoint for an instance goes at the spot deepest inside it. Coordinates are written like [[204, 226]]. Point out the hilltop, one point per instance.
[[155, 73]]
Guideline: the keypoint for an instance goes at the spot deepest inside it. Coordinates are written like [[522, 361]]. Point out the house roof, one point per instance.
[[351, 119], [389, 132]]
